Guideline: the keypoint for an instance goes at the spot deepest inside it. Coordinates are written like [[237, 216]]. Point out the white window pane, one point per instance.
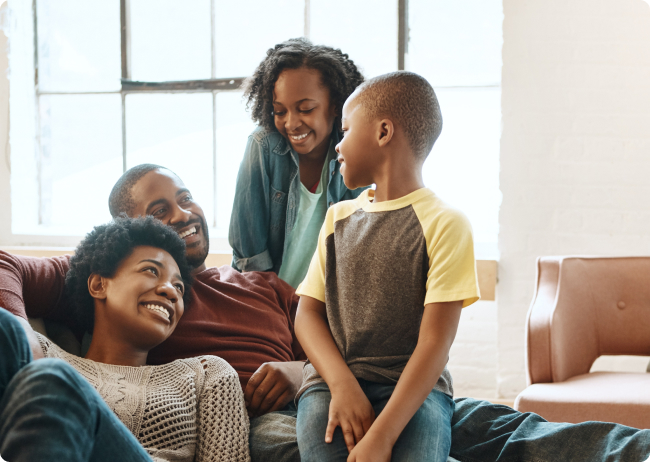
[[245, 29], [170, 40], [454, 43], [233, 127], [463, 167], [81, 159], [367, 33], [175, 131], [79, 45]]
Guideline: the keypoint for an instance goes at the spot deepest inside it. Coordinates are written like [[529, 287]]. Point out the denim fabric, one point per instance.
[[427, 436], [48, 412], [484, 432], [273, 436], [267, 199]]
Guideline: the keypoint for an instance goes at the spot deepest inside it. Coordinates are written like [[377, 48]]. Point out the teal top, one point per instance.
[[303, 238]]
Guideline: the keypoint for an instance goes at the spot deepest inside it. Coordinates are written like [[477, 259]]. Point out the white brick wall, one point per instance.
[[575, 149]]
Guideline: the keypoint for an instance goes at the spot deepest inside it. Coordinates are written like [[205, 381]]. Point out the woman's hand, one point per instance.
[[350, 410], [371, 449]]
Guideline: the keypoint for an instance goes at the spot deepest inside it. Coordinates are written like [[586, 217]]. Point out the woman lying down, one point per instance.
[[128, 281]]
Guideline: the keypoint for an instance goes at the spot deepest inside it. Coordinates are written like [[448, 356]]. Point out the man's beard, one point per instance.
[[196, 256]]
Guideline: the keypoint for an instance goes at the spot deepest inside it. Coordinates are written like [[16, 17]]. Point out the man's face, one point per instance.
[[163, 195], [356, 154]]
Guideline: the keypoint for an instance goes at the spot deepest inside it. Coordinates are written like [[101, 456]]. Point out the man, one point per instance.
[[247, 319]]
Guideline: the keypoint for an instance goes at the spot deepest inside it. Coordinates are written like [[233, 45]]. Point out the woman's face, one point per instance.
[[144, 299], [302, 110]]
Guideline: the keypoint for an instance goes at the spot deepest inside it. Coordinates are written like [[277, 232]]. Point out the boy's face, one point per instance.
[[144, 299], [357, 153]]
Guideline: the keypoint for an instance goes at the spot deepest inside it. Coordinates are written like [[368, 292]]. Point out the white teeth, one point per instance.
[[192, 230], [158, 308], [299, 137]]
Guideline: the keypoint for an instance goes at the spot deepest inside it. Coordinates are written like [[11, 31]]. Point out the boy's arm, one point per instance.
[[349, 407], [437, 333]]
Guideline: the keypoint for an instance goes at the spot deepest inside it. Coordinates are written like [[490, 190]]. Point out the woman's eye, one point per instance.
[[152, 270], [180, 288], [278, 113], [306, 111]]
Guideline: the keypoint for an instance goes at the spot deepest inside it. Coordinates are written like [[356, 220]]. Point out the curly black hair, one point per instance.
[[106, 246], [338, 73]]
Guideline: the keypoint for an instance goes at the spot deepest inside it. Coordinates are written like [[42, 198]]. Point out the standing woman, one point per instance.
[[289, 175]]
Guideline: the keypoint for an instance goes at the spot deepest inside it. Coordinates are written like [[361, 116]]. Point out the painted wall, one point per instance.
[[5, 203], [575, 147]]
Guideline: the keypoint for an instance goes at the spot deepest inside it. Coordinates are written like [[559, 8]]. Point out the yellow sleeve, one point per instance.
[[450, 247]]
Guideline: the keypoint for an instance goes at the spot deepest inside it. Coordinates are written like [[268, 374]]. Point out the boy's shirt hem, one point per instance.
[[376, 266]]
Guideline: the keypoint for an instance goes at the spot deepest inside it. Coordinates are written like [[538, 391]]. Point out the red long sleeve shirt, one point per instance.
[[245, 318]]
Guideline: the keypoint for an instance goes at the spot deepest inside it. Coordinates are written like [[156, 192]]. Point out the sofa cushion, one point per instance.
[[620, 397]]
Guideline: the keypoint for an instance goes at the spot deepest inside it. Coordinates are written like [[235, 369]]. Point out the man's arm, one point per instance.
[[275, 384], [437, 333], [33, 287]]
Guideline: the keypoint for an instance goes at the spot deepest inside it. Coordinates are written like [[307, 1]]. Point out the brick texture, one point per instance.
[[575, 148]]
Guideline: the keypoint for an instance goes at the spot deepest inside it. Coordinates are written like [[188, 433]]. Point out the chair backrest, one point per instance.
[[585, 307]]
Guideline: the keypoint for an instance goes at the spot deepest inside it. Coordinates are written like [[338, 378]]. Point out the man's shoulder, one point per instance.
[[226, 276]]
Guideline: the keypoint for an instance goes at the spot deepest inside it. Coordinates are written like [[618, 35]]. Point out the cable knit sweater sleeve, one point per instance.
[[223, 421]]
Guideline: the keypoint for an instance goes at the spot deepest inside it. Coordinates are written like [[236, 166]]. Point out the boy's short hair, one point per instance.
[[105, 248], [409, 101]]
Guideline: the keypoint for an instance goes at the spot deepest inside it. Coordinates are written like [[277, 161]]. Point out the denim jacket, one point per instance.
[[267, 199]]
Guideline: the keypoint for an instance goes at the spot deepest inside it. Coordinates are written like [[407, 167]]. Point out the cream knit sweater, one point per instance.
[[187, 410]]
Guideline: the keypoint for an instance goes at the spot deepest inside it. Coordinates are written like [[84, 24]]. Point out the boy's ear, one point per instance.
[[386, 130], [97, 286]]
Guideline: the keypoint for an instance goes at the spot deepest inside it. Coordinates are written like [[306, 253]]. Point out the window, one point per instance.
[[98, 87]]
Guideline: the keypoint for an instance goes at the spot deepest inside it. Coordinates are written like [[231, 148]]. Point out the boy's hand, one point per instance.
[[350, 410], [371, 449]]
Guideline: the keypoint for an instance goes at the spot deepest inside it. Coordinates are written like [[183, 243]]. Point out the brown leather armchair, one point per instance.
[[585, 307]]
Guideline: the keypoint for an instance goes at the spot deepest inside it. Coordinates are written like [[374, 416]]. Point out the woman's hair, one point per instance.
[[103, 250], [338, 73]]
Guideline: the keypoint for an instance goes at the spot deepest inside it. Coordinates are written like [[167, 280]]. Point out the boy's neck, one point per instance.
[[397, 178]]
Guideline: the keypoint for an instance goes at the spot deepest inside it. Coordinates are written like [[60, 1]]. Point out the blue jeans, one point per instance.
[[49, 412], [485, 432], [427, 436]]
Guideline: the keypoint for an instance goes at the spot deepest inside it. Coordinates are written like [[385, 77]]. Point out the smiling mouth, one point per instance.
[[299, 137], [158, 309], [189, 232]]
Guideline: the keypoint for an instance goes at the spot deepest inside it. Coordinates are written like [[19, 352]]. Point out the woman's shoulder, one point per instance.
[[269, 140], [210, 366]]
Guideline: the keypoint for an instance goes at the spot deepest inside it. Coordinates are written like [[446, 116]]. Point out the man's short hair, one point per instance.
[[409, 101], [120, 199], [106, 246]]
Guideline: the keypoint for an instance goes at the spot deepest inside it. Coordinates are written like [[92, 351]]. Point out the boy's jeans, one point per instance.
[[427, 436], [48, 412]]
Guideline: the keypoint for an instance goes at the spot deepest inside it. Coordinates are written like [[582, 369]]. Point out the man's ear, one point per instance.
[[386, 130], [97, 286]]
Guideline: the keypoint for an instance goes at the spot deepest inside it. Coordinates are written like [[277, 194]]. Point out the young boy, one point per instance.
[[381, 301]]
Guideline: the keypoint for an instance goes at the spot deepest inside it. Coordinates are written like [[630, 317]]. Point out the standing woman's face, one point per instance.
[[303, 112]]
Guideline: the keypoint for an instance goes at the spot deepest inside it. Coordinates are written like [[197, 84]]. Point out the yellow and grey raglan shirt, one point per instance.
[[376, 266]]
